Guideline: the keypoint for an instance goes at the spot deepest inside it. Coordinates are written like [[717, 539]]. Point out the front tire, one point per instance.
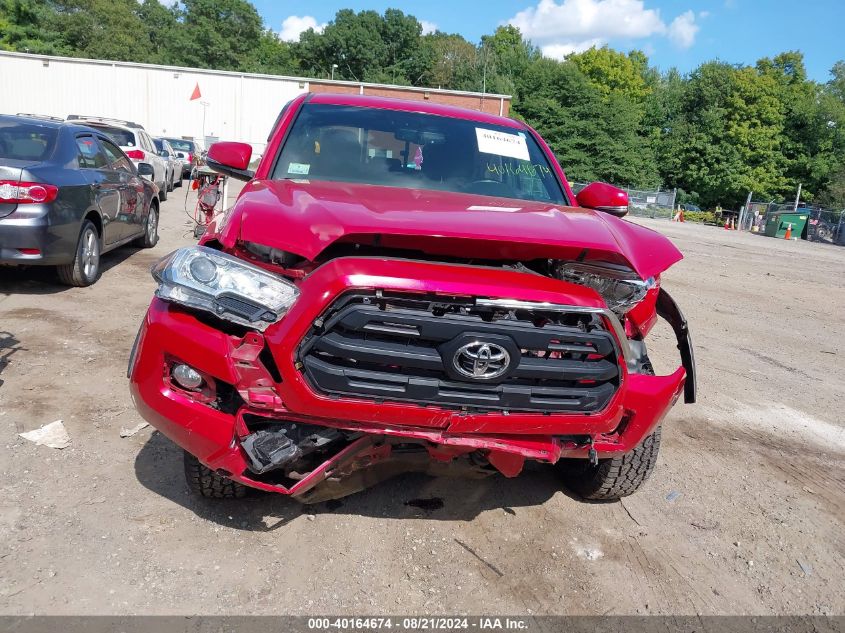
[[85, 267], [612, 478], [206, 483]]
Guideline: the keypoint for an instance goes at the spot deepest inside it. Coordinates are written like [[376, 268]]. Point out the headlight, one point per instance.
[[620, 287], [226, 286]]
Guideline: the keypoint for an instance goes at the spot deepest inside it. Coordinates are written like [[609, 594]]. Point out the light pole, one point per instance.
[[333, 67], [204, 105]]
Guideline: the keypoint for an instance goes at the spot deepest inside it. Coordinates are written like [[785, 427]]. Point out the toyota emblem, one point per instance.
[[481, 361]]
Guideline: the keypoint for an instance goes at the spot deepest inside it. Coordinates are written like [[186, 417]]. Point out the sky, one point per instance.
[[679, 33]]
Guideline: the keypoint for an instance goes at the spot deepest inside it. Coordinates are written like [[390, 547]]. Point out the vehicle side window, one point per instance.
[[115, 159], [89, 155]]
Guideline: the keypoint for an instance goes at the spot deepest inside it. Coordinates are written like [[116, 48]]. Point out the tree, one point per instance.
[[506, 56], [836, 85], [593, 135], [164, 32], [610, 71], [27, 26], [729, 141], [352, 40], [220, 34], [454, 62], [101, 29]]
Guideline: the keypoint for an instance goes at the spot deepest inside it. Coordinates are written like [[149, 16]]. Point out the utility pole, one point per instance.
[[484, 70], [743, 212], [797, 197], [333, 67]]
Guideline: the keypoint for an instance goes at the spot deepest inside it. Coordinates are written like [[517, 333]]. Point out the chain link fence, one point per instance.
[[823, 225], [643, 202]]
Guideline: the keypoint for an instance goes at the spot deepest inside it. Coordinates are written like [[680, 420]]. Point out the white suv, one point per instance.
[[135, 143]]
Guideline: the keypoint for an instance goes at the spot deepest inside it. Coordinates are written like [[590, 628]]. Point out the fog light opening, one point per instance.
[[187, 377]]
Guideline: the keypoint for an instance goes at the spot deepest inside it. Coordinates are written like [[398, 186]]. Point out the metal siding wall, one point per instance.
[[241, 108]]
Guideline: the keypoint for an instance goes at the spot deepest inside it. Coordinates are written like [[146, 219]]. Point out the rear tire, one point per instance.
[[84, 270], [150, 236], [612, 478], [206, 483]]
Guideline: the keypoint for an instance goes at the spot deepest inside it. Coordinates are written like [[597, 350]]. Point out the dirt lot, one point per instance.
[[745, 514]]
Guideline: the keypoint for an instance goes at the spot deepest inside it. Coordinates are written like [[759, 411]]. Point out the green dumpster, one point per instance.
[[777, 224]]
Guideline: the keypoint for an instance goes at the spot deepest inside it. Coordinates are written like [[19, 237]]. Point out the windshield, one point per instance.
[[416, 151], [182, 146], [22, 141]]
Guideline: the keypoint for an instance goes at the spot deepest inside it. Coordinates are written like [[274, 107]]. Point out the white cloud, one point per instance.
[[294, 25], [683, 29], [579, 20], [428, 27], [559, 51], [561, 27]]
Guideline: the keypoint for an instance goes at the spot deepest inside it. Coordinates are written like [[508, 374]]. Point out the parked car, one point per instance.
[[190, 153], [405, 285], [67, 195], [689, 207], [174, 163], [134, 141], [825, 225]]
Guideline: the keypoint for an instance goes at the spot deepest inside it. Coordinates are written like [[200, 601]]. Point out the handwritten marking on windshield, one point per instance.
[[523, 169]]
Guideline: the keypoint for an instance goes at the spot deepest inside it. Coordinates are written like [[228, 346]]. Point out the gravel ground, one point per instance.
[[744, 514]]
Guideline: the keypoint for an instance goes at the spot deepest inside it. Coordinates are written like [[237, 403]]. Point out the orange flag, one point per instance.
[[196, 94]]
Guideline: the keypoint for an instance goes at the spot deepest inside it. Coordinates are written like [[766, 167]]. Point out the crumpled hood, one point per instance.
[[305, 218]]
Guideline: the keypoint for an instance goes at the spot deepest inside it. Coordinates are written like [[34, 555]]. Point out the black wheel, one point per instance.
[[824, 234], [162, 191], [150, 236], [85, 267], [612, 478], [205, 482], [178, 182], [170, 183]]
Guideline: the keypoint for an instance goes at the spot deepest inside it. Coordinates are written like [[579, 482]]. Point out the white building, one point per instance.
[[232, 105]]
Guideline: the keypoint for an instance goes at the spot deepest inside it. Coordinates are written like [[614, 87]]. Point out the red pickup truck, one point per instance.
[[408, 286]]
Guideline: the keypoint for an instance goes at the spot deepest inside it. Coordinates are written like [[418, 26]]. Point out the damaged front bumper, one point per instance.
[[262, 404]]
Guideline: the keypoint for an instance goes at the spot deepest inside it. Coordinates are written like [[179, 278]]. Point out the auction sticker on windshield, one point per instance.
[[501, 143], [301, 169]]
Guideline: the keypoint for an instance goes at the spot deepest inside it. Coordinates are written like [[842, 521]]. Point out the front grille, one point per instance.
[[407, 348]]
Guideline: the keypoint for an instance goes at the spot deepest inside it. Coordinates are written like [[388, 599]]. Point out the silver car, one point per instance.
[[174, 163], [135, 142]]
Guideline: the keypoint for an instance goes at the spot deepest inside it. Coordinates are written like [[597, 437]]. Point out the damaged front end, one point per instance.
[[322, 384]]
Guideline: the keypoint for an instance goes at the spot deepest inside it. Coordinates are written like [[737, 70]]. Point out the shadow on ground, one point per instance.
[[8, 346], [158, 467], [43, 280]]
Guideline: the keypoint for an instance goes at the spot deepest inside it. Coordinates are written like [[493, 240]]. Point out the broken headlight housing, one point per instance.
[[228, 287], [620, 287]]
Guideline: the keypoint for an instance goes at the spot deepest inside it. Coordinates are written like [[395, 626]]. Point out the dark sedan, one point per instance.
[[67, 195]]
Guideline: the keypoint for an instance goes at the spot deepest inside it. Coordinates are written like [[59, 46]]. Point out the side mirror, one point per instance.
[[145, 170], [603, 197], [231, 159], [164, 153]]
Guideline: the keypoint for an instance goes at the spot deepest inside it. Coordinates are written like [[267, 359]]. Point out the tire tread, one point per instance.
[[617, 477], [206, 483]]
